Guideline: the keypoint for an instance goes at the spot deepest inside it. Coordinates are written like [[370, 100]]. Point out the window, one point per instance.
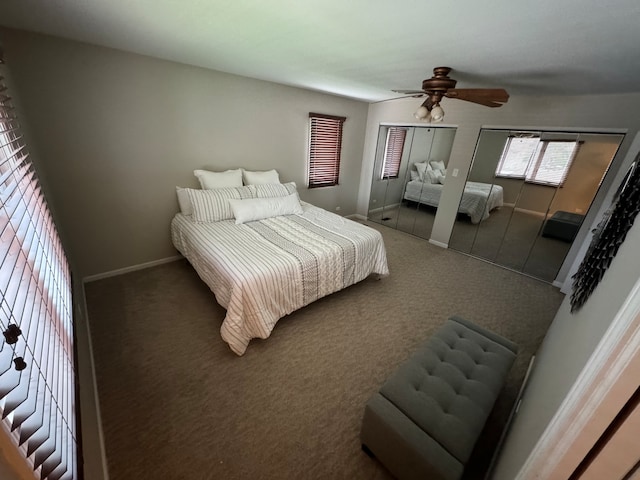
[[37, 370], [553, 162], [325, 142], [546, 162], [393, 152], [516, 156]]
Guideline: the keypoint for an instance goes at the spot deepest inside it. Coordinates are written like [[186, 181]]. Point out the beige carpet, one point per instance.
[[178, 404]]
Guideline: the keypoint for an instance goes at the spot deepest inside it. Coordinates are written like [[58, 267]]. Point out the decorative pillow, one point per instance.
[[431, 176], [213, 205], [441, 178], [421, 168], [414, 175], [260, 208], [436, 165], [184, 201], [258, 178], [271, 190], [210, 180]]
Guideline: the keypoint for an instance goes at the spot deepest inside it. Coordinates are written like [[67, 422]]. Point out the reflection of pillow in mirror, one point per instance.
[[431, 177], [441, 178], [414, 175], [436, 165], [421, 168]]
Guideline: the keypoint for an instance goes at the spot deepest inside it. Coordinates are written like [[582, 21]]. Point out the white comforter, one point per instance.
[[477, 201], [261, 271]]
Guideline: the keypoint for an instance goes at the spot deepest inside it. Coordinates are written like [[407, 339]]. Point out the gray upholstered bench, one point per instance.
[[563, 225], [427, 417]]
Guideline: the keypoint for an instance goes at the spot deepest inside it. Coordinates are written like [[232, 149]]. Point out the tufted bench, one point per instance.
[[427, 417], [563, 225]]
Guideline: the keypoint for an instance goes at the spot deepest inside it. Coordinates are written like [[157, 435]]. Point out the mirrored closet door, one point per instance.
[[409, 173], [539, 187]]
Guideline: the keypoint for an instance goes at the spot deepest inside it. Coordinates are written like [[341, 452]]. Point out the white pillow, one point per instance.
[[441, 178], [257, 178], [414, 175], [436, 165], [186, 208], [271, 190], [210, 180], [431, 176], [213, 205], [421, 168], [253, 209]]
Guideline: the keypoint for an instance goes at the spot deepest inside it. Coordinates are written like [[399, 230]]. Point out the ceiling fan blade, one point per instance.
[[490, 97], [411, 92]]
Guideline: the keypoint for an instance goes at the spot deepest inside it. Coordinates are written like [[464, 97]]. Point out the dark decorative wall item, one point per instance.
[[607, 237]]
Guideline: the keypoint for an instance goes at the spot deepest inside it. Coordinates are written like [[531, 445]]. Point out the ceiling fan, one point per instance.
[[441, 85]]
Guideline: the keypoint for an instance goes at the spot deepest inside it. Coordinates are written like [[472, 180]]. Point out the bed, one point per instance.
[[263, 270], [478, 199]]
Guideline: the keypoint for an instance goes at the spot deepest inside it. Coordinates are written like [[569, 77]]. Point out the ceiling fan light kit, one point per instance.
[[437, 113], [422, 113], [441, 85]]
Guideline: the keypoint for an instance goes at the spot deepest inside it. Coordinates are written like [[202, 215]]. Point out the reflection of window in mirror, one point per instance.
[[544, 162], [393, 152]]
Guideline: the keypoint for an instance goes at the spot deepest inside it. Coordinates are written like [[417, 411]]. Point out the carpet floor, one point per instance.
[[176, 403]]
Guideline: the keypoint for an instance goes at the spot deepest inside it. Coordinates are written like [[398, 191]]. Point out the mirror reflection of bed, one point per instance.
[[395, 195], [544, 202]]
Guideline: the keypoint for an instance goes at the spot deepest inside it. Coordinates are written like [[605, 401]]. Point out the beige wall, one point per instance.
[[117, 132]]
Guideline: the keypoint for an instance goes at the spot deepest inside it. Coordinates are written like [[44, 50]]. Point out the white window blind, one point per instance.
[[553, 162], [518, 153], [325, 143], [545, 162], [37, 369], [393, 152]]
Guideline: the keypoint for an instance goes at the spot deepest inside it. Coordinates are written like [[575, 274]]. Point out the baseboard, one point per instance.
[[357, 216], [438, 244], [132, 268], [94, 461], [531, 212]]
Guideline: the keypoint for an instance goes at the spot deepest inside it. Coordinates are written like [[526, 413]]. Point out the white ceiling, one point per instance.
[[365, 48]]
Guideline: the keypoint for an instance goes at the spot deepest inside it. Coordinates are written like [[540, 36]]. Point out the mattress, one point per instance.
[[261, 271], [477, 201]]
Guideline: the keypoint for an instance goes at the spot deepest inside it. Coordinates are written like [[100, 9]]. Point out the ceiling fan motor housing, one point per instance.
[[438, 85]]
